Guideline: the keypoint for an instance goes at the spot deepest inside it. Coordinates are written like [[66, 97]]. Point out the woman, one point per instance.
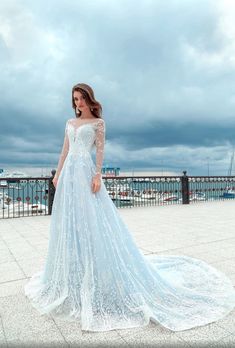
[[94, 272]]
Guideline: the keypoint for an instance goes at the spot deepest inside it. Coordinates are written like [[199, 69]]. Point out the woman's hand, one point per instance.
[[96, 183], [54, 181]]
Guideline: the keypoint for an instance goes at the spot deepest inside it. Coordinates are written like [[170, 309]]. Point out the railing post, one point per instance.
[[185, 188], [51, 192]]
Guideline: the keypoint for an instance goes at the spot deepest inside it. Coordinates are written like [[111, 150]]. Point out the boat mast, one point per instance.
[[231, 164]]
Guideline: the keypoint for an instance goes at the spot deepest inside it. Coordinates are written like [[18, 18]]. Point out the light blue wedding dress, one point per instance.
[[94, 272]]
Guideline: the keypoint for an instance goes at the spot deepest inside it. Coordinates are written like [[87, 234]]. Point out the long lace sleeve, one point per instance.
[[64, 153], [100, 141]]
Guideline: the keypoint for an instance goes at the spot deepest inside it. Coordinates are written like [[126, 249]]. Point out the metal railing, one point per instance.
[[34, 196]]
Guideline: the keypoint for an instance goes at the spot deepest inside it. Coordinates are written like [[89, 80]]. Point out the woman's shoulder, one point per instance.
[[101, 120], [100, 124], [68, 121]]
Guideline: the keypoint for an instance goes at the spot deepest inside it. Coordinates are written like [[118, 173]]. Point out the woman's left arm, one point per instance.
[[100, 142]]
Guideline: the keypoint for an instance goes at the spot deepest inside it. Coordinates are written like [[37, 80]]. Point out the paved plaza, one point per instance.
[[201, 230]]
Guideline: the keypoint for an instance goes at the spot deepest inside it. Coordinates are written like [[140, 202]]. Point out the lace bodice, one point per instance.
[[82, 137]]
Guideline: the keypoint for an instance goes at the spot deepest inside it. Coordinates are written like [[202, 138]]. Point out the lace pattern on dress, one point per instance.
[[64, 152], [99, 127], [99, 142]]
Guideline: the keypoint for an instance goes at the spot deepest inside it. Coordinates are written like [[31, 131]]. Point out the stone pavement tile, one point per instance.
[[42, 248], [157, 336], [7, 243], [151, 247], [166, 244], [145, 252], [228, 322], [204, 335], [39, 241], [34, 227], [225, 342], [18, 242], [23, 325], [3, 342], [226, 252], [177, 251], [24, 253], [6, 256], [201, 248], [10, 271], [12, 287], [133, 330], [225, 242], [42, 253], [11, 236], [11, 240], [15, 247], [210, 257], [73, 334], [226, 266], [31, 265], [34, 237], [5, 223], [2, 245]]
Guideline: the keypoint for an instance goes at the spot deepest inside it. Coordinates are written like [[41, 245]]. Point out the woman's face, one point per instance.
[[80, 101]]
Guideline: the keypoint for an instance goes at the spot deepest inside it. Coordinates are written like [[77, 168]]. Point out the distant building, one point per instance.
[[110, 171]]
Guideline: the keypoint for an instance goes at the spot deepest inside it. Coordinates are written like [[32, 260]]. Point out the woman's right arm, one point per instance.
[[63, 155]]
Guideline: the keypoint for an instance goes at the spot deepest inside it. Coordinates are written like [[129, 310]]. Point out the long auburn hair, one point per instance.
[[88, 94]]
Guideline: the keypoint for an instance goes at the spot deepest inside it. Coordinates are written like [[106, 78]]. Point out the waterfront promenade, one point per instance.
[[201, 230]]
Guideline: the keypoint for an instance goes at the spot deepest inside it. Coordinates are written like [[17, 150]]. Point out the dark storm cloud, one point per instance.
[[163, 71], [163, 134]]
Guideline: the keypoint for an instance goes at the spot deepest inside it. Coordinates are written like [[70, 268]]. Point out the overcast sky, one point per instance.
[[164, 72]]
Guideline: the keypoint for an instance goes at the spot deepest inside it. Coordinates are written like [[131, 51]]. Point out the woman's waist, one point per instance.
[[79, 152]]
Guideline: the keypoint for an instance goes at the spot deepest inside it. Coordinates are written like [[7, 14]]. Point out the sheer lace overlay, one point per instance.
[[64, 152], [99, 141], [94, 272]]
